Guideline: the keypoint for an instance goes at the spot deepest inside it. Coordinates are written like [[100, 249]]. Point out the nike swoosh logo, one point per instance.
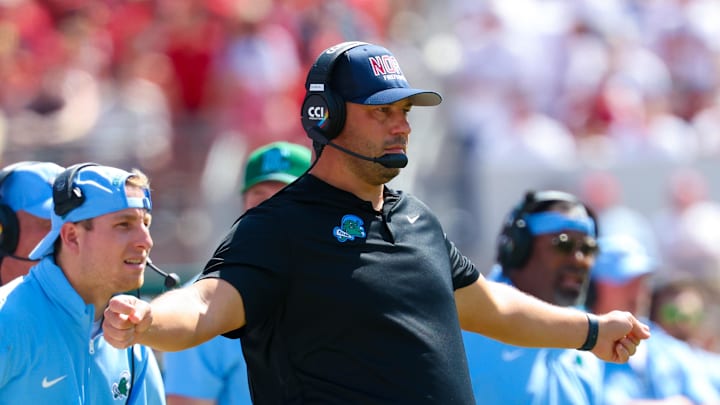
[[413, 218], [48, 384], [510, 355]]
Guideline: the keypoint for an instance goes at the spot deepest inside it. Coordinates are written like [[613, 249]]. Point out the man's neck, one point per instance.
[[339, 177], [10, 270], [86, 288]]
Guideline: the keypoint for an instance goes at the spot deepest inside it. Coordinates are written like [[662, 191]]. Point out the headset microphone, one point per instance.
[[389, 160], [171, 279], [392, 160]]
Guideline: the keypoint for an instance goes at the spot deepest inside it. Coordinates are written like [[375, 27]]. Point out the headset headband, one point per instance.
[[67, 197], [319, 77]]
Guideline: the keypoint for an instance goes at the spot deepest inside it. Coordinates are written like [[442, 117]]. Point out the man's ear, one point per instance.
[[69, 236]]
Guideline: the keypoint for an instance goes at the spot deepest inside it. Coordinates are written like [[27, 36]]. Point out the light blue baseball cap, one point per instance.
[[103, 188], [28, 187], [621, 259]]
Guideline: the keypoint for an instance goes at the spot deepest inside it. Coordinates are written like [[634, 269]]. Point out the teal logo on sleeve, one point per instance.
[[351, 227]]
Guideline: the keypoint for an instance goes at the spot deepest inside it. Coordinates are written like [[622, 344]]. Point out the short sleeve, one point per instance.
[[464, 271]]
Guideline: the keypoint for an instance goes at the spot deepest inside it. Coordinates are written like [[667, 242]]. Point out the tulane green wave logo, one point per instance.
[[351, 227], [121, 388]]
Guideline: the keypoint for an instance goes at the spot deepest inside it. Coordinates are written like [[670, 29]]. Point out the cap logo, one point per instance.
[[59, 185], [386, 66], [275, 161], [118, 181]]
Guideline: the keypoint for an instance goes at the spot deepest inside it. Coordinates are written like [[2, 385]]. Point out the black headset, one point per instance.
[[67, 196], [323, 110], [515, 242]]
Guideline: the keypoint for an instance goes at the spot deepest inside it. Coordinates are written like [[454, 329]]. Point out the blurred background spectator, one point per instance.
[[538, 94], [603, 193], [688, 310], [679, 307], [688, 228], [665, 369]]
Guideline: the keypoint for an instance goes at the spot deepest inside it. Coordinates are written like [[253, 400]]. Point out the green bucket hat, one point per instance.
[[278, 161]]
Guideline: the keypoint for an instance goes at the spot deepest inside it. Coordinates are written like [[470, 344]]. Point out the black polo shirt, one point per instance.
[[345, 304]]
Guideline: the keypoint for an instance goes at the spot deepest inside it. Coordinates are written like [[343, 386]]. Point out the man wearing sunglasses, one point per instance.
[[546, 248]]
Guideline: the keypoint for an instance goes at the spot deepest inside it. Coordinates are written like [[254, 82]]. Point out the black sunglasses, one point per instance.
[[565, 244]]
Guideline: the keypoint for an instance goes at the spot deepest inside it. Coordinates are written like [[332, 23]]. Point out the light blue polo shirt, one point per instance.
[[214, 370], [49, 356], [662, 367], [507, 374]]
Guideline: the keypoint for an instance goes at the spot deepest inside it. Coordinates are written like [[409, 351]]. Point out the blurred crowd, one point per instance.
[[593, 81], [183, 89], [589, 92]]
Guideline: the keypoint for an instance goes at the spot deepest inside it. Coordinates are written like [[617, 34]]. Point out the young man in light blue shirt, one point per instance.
[[546, 249], [52, 350]]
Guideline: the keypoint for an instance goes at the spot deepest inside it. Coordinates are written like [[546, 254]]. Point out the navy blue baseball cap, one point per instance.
[[369, 74]]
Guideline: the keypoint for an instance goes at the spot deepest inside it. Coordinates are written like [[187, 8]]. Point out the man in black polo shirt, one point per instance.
[[345, 291]]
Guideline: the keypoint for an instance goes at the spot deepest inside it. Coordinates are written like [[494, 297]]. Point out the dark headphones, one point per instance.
[[9, 225], [515, 242], [67, 196], [323, 110]]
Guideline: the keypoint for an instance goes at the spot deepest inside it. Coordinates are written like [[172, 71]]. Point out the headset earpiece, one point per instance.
[[323, 111], [323, 116], [9, 230], [66, 196], [515, 242]]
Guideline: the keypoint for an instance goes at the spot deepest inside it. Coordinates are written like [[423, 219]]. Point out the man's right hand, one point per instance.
[[125, 319]]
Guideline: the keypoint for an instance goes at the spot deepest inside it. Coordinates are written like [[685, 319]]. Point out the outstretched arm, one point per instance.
[[503, 312], [177, 319]]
